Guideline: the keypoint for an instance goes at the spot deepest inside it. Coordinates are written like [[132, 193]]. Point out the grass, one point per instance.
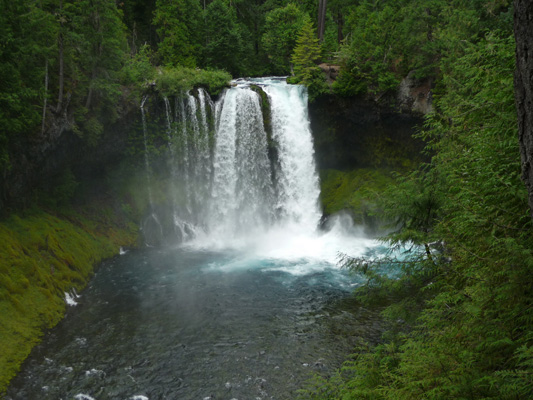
[[43, 255]]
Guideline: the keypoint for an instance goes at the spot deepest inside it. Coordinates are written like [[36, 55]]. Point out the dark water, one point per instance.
[[188, 324]]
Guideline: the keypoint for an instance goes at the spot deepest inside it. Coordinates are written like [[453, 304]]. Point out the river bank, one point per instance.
[[47, 254]]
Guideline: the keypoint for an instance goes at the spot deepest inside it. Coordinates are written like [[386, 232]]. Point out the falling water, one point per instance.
[[223, 165], [146, 158], [298, 181], [151, 225], [241, 200]]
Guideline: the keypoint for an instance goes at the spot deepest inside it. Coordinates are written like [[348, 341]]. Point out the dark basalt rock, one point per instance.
[[358, 132]]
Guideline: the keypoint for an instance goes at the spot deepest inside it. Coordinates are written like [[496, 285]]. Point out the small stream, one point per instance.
[[185, 323]]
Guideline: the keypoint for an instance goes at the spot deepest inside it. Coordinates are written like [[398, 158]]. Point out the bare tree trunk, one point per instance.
[[340, 25], [45, 101], [322, 4], [523, 78], [61, 69]]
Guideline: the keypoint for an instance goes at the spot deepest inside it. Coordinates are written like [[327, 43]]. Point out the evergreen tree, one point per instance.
[[178, 26], [305, 57], [26, 48], [467, 299], [224, 46], [281, 29], [96, 48], [307, 52]]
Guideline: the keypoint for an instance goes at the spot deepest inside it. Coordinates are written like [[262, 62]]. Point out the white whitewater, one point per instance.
[[298, 185], [241, 201]]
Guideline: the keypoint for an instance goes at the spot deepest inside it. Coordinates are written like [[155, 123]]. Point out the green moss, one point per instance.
[[354, 191], [43, 256], [265, 110], [176, 80]]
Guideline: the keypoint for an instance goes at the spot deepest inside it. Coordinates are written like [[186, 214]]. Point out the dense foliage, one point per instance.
[[461, 310]]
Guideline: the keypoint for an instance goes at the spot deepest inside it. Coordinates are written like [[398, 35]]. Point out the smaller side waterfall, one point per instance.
[[151, 227], [298, 187]]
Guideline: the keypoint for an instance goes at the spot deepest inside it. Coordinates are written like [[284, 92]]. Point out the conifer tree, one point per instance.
[[307, 51], [178, 27], [307, 54], [281, 29]]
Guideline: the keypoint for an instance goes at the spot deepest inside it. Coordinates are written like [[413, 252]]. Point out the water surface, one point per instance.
[[185, 323]]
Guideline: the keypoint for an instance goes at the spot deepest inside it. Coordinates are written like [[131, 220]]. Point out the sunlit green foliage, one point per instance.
[[139, 69], [178, 80], [306, 55]]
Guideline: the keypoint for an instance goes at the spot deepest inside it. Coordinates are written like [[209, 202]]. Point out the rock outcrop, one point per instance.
[[356, 132]]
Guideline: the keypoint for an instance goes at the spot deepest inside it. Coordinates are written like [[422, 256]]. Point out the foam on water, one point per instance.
[[82, 396], [290, 249]]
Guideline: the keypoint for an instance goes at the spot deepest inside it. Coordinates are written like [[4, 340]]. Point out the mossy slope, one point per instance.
[[42, 256], [354, 191]]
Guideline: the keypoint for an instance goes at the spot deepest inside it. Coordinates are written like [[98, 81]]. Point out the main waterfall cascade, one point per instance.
[[238, 171]]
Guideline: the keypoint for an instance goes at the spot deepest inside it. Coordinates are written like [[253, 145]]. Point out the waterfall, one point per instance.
[[239, 171], [146, 157], [242, 190], [298, 184], [151, 226]]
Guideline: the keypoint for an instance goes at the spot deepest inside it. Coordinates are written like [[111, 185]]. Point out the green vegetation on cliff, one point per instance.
[[43, 256], [356, 192]]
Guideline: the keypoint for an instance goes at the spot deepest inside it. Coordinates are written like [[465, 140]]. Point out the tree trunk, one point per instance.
[[340, 25], [523, 28], [321, 19], [61, 71], [45, 96]]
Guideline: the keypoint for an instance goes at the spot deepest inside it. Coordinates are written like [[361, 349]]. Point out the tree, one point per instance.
[[26, 46], [306, 55], [307, 51], [523, 26], [322, 5], [385, 41], [95, 43], [470, 335], [224, 46], [178, 26], [281, 30]]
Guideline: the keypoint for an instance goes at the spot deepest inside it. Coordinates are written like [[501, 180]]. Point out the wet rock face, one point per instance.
[[414, 95], [357, 132]]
